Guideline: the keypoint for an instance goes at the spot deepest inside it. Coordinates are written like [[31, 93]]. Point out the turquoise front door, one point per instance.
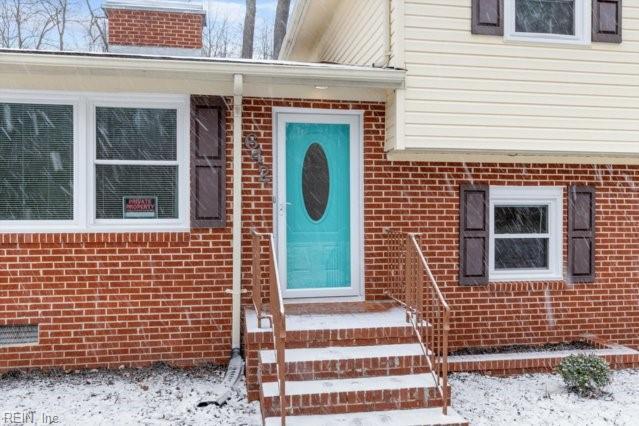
[[318, 206]]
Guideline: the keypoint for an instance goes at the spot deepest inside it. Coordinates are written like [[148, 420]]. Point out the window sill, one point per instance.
[[542, 41], [526, 277]]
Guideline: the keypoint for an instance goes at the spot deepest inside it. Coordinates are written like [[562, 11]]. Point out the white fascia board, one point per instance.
[[276, 71], [184, 6]]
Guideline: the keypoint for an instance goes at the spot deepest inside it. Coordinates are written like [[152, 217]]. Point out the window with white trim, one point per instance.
[[136, 160], [81, 162], [563, 21], [525, 233]]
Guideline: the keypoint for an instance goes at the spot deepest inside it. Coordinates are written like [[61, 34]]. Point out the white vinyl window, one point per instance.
[[82, 162], [525, 233], [560, 21]]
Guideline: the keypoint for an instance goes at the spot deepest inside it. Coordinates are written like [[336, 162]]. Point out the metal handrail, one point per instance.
[[256, 278], [426, 308], [276, 313]]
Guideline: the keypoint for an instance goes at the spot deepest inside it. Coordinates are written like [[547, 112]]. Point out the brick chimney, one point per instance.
[[161, 27]]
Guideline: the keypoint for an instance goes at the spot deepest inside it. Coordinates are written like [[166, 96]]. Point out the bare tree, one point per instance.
[[96, 30], [264, 45], [220, 38], [6, 26], [24, 24], [281, 20], [58, 11], [248, 32]]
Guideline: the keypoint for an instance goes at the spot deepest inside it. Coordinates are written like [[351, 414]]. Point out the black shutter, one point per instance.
[[606, 21], [487, 17], [581, 234], [208, 162], [473, 234]]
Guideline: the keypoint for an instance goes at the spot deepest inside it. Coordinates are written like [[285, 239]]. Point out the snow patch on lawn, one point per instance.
[[151, 396], [541, 399]]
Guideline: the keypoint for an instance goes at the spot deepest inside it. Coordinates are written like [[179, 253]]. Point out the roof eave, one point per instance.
[[275, 70]]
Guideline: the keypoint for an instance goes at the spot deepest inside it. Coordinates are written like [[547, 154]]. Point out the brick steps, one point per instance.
[[348, 395], [338, 362], [413, 417], [360, 368]]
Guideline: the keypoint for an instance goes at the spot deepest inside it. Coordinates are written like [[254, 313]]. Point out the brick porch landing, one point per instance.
[[346, 363]]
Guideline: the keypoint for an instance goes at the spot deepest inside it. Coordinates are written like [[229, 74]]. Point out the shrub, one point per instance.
[[585, 375]]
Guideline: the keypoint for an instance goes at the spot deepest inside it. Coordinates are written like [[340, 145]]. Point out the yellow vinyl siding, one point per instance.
[[355, 36], [473, 92]]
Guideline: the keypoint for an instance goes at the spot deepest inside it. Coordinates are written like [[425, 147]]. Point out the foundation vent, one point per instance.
[[18, 334]]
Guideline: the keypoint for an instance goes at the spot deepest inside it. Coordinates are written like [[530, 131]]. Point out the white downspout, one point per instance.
[[238, 88]]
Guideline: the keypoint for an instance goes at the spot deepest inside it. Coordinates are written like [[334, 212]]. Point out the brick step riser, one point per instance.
[[345, 337], [356, 401], [345, 369]]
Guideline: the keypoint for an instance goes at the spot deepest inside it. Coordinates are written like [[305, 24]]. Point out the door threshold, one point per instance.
[[334, 299]]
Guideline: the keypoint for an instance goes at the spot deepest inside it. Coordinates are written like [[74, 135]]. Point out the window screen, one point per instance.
[[36, 162]]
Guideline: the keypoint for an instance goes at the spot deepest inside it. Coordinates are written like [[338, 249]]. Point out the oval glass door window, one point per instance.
[[315, 181]]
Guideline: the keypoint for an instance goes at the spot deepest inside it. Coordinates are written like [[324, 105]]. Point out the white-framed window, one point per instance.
[[93, 162], [525, 233], [559, 21]]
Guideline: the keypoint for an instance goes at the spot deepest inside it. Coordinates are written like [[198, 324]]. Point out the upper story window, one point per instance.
[[555, 21], [563, 21]]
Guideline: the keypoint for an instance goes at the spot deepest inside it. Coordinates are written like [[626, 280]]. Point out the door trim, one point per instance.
[[354, 118]]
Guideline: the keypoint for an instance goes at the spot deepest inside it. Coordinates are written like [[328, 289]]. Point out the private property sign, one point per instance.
[[139, 207]]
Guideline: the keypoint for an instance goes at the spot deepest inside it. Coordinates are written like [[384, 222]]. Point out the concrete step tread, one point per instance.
[[309, 387], [414, 417], [334, 353]]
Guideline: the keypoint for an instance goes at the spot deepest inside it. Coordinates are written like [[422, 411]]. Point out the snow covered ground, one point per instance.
[[540, 399], [166, 396], [153, 396]]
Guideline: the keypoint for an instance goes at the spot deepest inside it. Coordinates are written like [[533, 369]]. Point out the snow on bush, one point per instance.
[[585, 375]]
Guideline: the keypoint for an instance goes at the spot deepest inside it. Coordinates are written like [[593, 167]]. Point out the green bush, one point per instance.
[[585, 375]]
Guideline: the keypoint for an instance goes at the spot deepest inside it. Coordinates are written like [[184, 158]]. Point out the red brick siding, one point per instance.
[[151, 28], [111, 299], [424, 197]]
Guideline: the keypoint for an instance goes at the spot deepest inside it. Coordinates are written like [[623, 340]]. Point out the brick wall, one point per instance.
[[133, 299], [154, 28], [111, 299], [424, 197]]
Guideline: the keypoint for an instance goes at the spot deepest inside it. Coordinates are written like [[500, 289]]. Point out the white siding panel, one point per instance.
[[465, 91]]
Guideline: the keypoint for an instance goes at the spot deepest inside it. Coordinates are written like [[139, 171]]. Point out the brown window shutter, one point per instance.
[[208, 162], [473, 234], [488, 17], [581, 234], [606, 21]]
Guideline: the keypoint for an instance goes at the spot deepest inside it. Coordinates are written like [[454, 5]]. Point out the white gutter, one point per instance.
[[311, 73], [238, 88]]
